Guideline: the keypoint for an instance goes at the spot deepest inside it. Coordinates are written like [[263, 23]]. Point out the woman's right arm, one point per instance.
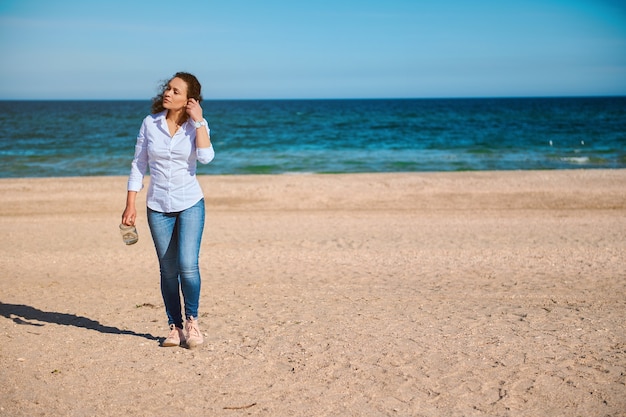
[[135, 180]]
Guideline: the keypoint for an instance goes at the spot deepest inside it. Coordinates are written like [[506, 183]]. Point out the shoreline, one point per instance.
[[459, 293], [359, 173]]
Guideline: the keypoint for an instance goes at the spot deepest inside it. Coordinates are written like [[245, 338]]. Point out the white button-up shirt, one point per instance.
[[172, 162]]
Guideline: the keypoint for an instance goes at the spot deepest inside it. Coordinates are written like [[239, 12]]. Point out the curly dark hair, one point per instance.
[[194, 90]]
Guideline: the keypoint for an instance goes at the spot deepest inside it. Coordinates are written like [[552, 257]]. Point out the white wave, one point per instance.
[[576, 159]]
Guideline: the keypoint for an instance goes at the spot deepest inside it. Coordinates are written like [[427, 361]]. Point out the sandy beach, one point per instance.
[[409, 294]]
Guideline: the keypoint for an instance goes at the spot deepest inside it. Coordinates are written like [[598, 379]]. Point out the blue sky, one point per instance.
[[240, 49]]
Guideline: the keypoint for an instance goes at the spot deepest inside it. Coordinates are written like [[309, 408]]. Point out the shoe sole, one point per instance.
[[193, 344]]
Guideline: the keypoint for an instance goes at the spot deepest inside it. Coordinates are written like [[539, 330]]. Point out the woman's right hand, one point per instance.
[[129, 216], [130, 212]]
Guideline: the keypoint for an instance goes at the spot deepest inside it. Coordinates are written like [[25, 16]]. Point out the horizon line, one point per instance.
[[338, 98]]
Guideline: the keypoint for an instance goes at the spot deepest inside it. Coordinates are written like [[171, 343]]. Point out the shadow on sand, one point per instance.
[[21, 313]]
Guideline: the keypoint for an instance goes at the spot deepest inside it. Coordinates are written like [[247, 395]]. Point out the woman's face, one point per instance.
[[175, 94]]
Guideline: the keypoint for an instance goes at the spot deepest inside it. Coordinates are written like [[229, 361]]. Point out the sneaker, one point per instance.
[[175, 338], [194, 337]]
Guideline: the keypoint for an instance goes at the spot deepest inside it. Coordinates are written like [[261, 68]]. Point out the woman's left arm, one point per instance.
[[204, 149], [203, 140]]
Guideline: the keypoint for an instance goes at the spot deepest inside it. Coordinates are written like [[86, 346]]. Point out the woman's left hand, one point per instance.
[[194, 110]]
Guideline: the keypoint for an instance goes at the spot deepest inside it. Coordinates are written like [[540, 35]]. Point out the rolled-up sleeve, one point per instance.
[[205, 155]]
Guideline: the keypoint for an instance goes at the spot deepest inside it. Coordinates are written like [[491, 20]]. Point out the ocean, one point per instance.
[[88, 138]]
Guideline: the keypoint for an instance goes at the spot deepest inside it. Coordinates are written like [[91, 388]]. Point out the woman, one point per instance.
[[170, 142]]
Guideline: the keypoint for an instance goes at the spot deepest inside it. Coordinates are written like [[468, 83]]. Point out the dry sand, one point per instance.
[[423, 294]]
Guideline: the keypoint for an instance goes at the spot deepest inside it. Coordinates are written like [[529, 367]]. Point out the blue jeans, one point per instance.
[[177, 238]]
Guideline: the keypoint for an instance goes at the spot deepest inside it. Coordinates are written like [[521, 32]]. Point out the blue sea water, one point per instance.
[[86, 138]]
